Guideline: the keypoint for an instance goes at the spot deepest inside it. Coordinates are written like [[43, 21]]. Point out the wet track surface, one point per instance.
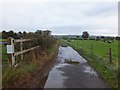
[[65, 75]]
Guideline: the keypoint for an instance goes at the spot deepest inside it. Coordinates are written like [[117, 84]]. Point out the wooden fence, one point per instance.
[[11, 52]]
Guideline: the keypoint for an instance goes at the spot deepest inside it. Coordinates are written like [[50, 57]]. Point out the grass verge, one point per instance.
[[10, 77]]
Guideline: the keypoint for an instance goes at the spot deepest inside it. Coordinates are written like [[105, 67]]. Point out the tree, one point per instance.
[[20, 34], [77, 37], [10, 33], [97, 38], [4, 35], [117, 38], [85, 35], [39, 32], [24, 33], [15, 36], [47, 32], [102, 37]]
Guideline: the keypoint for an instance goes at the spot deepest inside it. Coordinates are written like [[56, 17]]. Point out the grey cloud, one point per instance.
[[103, 9], [68, 18]]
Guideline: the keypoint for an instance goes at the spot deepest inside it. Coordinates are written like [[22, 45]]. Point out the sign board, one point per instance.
[[10, 49]]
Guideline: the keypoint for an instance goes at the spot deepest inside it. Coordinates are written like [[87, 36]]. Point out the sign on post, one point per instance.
[[10, 49]]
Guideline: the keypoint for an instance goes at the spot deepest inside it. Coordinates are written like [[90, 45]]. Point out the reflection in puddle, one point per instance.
[[61, 65], [70, 53], [55, 78], [89, 70]]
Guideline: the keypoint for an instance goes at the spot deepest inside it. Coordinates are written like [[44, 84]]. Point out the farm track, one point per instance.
[[71, 75]]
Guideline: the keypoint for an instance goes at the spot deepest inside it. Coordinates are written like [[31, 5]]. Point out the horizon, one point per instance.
[[65, 34]]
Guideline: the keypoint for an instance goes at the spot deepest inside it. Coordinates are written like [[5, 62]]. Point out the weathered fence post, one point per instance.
[[110, 55], [21, 48], [10, 51]]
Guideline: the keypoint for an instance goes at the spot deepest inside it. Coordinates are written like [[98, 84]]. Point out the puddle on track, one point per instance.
[[70, 53], [89, 70], [57, 77]]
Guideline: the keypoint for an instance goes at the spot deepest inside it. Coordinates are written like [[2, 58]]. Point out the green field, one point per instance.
[[98, 48], [97, 54]]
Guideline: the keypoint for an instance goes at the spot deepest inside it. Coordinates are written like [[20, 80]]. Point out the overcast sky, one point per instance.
[[73, 17]]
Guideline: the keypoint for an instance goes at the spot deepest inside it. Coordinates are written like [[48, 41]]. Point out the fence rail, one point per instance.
[[22, 40], [21, 52], [10, 49]]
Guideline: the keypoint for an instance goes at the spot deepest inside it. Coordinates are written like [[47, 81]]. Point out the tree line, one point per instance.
[[85, 36], [44, 39], [23, 34]]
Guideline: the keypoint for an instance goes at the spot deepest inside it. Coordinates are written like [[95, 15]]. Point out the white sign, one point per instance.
[[10, 49]]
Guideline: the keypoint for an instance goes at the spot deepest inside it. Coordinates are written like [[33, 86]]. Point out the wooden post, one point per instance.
[[11, 60], [21, 48], [110, 55]]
